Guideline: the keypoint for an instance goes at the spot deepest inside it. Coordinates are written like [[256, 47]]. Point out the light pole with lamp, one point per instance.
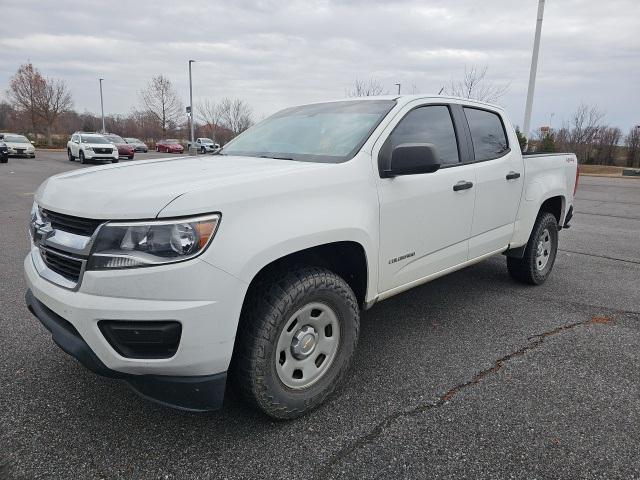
[[192, 146], [102, 106]]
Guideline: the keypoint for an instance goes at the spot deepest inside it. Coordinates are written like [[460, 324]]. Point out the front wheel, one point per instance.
[[298, 334], [4, 159], [115, 161], [70, 155], [539, 255], [82, 159]]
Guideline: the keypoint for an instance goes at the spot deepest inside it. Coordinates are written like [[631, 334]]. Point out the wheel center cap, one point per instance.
[[304, 342]]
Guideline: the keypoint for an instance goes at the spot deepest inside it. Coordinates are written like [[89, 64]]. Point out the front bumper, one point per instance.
[[91, 155], [199, 393], [205, 300]]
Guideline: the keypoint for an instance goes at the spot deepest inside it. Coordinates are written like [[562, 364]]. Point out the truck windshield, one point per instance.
[[324, 132]]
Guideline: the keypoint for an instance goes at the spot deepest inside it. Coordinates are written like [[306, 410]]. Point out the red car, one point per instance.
[[124, 149], [170, 146]]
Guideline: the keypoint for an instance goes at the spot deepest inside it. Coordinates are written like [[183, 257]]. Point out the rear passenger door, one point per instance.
[[499, 181], [424, 223]]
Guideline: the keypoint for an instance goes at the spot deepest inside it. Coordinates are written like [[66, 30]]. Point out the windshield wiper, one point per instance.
[[275, 158]]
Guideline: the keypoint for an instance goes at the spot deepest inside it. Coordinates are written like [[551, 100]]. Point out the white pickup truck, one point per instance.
[[256, 263]]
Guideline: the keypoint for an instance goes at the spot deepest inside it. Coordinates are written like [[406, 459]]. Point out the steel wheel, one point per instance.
[[307, 345], [543, 250]]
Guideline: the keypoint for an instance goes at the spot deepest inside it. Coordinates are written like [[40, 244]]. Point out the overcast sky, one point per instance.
[[275, 54]]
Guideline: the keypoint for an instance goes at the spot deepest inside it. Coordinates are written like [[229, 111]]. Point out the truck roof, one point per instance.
[[403, 99]]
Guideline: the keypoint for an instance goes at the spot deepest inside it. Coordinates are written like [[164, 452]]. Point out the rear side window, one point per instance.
[[430, 124], [487, 134]]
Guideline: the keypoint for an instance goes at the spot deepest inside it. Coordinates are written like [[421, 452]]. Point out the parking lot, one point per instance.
[[469, 376]]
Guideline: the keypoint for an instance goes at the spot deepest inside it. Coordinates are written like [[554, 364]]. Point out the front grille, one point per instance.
[[67, 267], [71, 224], [102, 150]]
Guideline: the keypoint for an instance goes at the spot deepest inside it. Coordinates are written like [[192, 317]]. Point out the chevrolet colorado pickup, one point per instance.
[[256, 263]]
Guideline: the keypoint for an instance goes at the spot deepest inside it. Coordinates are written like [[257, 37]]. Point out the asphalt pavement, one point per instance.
[[469, 376]]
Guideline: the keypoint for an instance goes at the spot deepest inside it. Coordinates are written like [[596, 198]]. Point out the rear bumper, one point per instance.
[[193, 393]]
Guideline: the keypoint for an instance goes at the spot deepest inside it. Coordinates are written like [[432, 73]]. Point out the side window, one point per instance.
[[487, 133], [430, 124]]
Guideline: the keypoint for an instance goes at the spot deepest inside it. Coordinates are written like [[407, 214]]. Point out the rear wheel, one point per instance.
[[130, 157], [81, 155], [298, 334], [539, 255], [4, 159]]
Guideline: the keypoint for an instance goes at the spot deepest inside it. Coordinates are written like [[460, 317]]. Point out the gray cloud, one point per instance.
[[278, 53]]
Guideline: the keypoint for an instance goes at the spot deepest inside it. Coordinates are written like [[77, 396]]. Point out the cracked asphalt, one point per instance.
[[470, 376]]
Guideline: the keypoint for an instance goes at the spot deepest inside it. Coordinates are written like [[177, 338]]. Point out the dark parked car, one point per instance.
[[4, 153], [138, 145], [170, 145], [124, 149]]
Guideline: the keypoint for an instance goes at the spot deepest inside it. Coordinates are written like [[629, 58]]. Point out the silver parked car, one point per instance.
[[138, 145]]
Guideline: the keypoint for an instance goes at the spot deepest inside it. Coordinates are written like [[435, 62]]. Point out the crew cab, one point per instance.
[[256, 263], [87, 146], [204, 145]]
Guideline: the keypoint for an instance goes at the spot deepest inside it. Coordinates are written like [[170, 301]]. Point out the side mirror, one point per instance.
[[32, 142], [412, 159]]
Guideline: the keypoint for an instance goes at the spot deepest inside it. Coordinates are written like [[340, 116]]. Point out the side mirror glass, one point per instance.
[[412, 159]]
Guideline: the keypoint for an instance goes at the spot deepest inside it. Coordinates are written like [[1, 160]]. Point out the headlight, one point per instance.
[[144, 244], [88, 148]]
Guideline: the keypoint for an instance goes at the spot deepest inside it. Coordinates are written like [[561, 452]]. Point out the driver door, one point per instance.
[[425, 223]]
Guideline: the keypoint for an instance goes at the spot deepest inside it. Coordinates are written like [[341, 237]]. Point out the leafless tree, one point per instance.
[[42, 99], [475, 86], [24, 87], [607, 140], [367, 89], [211, 116], [236, 114], [632, 142], [579, 134], [161, 101]]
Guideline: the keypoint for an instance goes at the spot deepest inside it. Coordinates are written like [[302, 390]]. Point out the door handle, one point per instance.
[[513, 175], [462, 185]]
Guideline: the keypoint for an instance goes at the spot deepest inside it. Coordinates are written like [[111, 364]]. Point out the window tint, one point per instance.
[[487, 133], [431, 124]]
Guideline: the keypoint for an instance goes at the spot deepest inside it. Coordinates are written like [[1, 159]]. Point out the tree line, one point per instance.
[[591, 139], [42, 108]]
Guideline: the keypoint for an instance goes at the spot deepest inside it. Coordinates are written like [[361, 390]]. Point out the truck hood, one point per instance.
[[140, 190]]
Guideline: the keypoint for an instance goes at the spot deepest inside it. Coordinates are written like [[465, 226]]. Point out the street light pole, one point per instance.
[[533, 71], [102, 106], [398, 88], [192, 149]]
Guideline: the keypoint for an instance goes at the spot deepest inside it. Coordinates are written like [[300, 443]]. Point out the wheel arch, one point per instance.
[[348, 259]]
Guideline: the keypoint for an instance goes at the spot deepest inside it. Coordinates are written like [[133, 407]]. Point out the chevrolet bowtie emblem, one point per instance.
[[43, 231]]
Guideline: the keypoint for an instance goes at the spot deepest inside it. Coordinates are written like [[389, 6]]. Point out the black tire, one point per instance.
[[528, 269], [270, 306], [70, 155], [4, 159], [81, 156], [115, 161], [203, 150], [130, 157]]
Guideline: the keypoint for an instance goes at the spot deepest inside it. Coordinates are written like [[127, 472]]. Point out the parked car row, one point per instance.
[[86, 146]]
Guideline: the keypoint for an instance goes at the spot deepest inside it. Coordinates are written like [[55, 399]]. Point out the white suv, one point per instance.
[[91, 146]]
